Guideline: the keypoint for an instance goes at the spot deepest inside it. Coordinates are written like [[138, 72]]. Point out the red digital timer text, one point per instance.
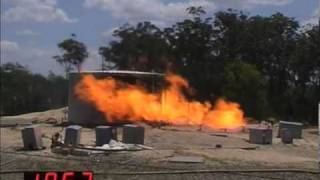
[[51, 175]]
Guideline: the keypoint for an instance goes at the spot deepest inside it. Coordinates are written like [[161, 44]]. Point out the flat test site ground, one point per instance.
[[168, 142]]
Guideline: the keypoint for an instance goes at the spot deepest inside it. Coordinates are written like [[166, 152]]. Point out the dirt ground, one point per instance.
[[170, 141]]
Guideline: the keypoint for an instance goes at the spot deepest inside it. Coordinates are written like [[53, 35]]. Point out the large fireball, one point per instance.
[[122, 101]]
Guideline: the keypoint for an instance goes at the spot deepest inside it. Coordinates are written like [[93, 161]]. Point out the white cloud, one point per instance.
[[161, 13], [93, 62], [26, 32], [8, 46], [108, 34], [247, 4], [267, 2], [40, 60], [314, 19], [35, 11], [153, 10]]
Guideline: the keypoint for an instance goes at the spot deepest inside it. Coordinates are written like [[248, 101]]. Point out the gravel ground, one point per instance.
[[117, 163], [168, 142]]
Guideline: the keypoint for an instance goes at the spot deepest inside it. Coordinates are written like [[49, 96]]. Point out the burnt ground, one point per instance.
[[236, 153]]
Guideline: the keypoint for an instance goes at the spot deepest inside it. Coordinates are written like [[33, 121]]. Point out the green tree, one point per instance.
[[305, 75], [245, 84], [266, 42], [140, 47], [193, 52], [74, 53], [14, 88], [221, 56], [23, 91]]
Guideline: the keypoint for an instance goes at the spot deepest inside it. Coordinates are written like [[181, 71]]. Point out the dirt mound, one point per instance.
[[50, 116]]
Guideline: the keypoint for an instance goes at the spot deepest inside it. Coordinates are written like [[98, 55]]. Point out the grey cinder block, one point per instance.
[[32, 137], [260, 135], [133, 134], [295, 128], [286, 136], [72, 135], [103, 135]]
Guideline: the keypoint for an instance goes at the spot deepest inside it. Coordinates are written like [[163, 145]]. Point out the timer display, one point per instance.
[[54, 175]]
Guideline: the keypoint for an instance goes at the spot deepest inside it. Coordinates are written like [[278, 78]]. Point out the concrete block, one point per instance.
[[72, 135], [133, 134], [32, 137], [286, 136], [103, 135], [260, 135], [295, 128]]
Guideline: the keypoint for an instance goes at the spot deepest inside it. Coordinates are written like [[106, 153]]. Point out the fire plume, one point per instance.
[[118, 100]]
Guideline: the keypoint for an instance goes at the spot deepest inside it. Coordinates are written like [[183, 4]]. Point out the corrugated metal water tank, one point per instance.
[[84, 113], [295, 128], [32, 137], [260, 135]]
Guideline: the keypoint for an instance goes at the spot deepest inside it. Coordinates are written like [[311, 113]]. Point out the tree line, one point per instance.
[[23, 91], [268, 64]]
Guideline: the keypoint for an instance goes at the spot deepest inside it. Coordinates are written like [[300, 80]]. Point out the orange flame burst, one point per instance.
[[123, 101]]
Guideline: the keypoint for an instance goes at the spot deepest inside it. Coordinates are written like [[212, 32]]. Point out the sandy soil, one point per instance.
[[55, 115], [167, 142]]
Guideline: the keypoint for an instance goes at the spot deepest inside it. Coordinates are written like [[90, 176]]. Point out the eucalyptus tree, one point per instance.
[[73, 54]]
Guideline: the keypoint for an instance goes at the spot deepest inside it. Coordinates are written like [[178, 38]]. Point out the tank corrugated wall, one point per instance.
[[86, 114], [81, 112]]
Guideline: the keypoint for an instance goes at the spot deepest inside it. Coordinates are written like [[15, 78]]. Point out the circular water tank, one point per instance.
[[84, 113]]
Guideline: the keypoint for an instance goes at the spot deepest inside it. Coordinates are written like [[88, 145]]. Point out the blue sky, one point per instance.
[[31, 29]]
